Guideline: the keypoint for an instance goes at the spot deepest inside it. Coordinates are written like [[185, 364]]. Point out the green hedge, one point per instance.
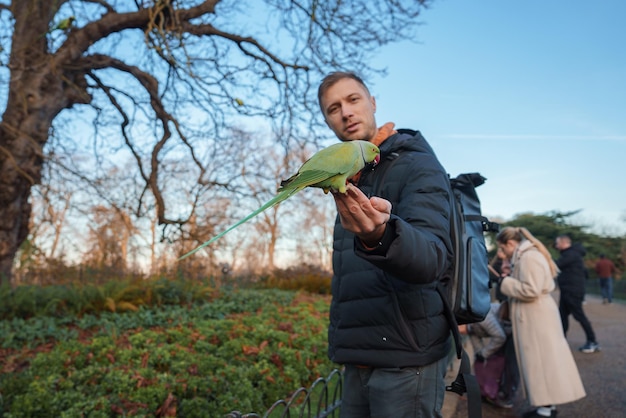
[[242, 351]]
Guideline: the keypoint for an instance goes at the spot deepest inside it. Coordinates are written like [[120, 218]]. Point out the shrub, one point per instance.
[[242, 351], [307, 278]]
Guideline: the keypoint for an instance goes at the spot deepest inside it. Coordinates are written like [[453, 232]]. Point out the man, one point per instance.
[[391, 249], [605, 270], [571, 281]]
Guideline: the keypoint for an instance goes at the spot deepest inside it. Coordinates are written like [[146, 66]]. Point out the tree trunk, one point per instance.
[[21, 161], [38, 90]]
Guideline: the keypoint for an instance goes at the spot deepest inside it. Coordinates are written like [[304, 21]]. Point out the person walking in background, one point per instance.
[[391, 248], [548, 373], [571, 281], [605, 269]]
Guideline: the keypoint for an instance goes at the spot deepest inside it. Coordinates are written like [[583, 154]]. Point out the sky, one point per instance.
[[531, 94]]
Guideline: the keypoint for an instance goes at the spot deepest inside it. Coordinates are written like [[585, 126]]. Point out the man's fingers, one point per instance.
[[360, 214], [381, 205], [354, 192]]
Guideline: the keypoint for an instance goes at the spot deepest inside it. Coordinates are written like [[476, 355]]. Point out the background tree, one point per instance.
[[43, 254], [318, 221], [109, 240], [270, 168], [158, 80]]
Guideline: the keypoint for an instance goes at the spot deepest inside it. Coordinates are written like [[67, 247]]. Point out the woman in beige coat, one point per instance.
[[548, 372]]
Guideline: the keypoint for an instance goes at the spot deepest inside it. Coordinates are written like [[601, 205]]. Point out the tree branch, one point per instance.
[[241, 41], [150, 85], [102, 3]]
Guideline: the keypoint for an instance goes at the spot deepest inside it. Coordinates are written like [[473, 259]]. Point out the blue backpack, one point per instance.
[[466, 292], [468, 287]]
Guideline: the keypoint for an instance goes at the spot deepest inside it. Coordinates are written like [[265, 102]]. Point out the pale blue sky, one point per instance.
[[532, 94]]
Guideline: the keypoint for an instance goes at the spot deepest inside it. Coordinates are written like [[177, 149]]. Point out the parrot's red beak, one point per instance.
[[377, 159]]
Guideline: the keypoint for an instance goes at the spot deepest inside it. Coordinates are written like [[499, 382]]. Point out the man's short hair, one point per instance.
[[333, 78]]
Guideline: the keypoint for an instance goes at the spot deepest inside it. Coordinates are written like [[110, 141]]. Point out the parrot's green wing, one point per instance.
[[308, 178], [337, 158], [331, 167]]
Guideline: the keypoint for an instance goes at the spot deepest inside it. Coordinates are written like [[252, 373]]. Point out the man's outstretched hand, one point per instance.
[[366, 217]]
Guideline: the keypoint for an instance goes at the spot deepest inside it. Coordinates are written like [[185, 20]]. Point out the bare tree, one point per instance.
[[274, 167], [48, 226], [158, 80], [109, 239], [264, 165], [316, 222], [44, 247]]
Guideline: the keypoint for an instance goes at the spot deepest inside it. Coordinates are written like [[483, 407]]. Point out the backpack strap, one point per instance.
[[465, 381], [488, 226]]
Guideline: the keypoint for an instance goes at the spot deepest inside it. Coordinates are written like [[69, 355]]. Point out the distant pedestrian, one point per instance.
[[488, 339], [572, 285], [548, 373], [605, 269]]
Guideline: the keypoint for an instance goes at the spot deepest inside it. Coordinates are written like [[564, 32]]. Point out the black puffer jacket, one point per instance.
[[571, 279], [385, 310]]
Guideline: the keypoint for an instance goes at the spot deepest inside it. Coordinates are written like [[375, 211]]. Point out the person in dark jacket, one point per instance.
[[391, 248], [571, 281]]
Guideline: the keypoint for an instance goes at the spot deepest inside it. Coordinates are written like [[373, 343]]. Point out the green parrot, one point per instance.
[[64, 24], [328, 169]]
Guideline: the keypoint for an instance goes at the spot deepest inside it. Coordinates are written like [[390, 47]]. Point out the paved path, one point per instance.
[[603, 373]]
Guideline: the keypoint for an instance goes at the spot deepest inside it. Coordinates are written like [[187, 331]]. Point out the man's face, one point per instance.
[[561, 244], [349, 110]]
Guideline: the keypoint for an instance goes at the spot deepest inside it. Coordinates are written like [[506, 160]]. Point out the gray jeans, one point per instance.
[[409, 392]]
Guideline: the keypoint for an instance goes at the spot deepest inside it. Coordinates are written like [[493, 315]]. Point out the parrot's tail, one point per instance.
[[272, 202]]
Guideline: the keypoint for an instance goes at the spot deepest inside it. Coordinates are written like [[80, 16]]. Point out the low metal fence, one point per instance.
[[619, 288], [321, 400]]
